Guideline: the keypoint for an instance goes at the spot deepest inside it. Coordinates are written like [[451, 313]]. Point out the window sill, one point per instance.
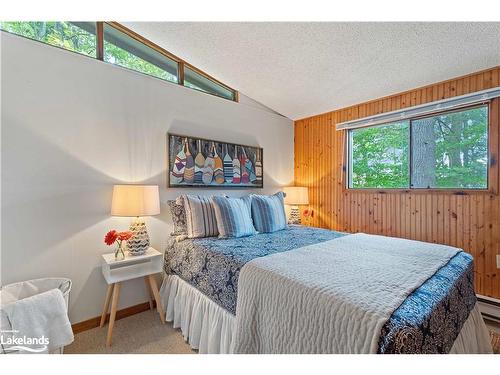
[[422, 191]]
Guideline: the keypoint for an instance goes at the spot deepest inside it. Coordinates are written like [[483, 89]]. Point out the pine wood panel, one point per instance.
[[470, 221]]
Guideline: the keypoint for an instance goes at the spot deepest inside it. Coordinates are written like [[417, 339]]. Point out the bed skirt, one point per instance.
[[205, 325], [474, 337], [209, 328]]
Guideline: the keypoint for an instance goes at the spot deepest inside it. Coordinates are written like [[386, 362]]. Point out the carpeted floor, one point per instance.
[[138, 334], [494, 334], [144, 333], [495, 342]]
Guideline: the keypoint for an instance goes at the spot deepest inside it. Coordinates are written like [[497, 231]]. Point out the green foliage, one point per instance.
[[61, 34], [119, 56], [462, 149], [459, 159], [73, 38], [380, 156]]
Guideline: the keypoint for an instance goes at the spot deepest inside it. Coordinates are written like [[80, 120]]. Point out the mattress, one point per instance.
[[428, 321]]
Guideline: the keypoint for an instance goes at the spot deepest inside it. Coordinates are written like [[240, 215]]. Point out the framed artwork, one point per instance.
[[197, 162]]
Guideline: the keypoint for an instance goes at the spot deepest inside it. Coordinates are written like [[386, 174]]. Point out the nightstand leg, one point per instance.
[[148, 291], [114, 305], [106, 305], [154, 288]]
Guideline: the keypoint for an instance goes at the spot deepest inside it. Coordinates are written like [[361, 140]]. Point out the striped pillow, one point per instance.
[[200, 216], [268, 212], [234, 216]]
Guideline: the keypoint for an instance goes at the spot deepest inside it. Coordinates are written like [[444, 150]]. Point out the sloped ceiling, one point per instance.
[[303, 69]]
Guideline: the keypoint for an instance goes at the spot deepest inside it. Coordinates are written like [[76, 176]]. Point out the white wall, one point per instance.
[[71, 128]]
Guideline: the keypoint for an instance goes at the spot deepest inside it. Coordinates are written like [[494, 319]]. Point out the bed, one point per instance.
[[200, 293]]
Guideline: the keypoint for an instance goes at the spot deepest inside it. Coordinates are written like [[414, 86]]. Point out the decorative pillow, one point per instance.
[[178, 217], [234, 216], [268, 212], [200, 216]]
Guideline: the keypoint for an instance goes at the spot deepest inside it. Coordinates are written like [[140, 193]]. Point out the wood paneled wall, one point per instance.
[[471, 221]]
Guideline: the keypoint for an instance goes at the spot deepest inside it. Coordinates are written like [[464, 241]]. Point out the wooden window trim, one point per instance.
[[181, 63], [180, 70], [209, 77], [100, 40], [142, 40], [52, 45], [493, 152]]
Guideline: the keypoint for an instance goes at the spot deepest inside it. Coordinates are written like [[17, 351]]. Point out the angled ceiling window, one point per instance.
[[124, 50], [115, 44], [78, 37], [197, 81]]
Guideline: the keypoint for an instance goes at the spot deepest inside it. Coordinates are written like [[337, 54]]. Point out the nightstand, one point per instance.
[[132, 267]]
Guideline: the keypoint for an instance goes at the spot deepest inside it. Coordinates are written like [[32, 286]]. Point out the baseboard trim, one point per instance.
[[120, 314]]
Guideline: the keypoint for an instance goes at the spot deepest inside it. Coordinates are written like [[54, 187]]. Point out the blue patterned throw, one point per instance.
[[430, 318]]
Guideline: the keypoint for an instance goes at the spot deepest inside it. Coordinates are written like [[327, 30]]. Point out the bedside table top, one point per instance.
[[109, 258], [132, 267]]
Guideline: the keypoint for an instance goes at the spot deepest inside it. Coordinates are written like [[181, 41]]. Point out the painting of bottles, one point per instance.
[[196, 162]]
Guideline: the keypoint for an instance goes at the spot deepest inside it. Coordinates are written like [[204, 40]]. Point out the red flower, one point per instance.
[[124, 236], [110, 237], [308, 213]]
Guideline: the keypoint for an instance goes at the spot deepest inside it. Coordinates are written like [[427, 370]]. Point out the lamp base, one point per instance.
[[139, 242], [294, 215]]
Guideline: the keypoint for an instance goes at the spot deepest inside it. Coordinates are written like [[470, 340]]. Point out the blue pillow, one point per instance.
[[268, 212], [234, 217]]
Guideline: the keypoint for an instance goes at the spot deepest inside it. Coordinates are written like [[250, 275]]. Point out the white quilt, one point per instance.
[[331, 297]]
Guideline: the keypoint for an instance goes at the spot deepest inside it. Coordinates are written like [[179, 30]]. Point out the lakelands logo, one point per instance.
[[11, 342]]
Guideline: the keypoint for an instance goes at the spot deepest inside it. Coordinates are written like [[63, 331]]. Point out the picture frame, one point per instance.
[[205, 163]]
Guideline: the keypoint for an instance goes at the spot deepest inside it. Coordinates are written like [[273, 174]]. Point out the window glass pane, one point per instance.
[[74, 36], [451, 150], [123, 50], [199, 82], [379, 156]]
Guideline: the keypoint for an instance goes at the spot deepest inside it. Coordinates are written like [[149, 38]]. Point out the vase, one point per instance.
[[139, 242], [294, 215], [119, 253]]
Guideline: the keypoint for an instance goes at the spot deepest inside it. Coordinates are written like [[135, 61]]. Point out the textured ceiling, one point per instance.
[[303, 69]]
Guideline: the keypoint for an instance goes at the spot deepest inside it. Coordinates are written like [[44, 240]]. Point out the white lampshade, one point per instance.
[[135, 200], [296, 195]]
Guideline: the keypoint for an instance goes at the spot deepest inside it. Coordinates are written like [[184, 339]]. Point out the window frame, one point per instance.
[[138, 39], [59, 47], [492, 164], [180, 62]]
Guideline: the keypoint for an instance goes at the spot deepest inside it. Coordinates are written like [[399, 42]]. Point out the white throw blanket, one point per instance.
[[40, 316], [331, 297]]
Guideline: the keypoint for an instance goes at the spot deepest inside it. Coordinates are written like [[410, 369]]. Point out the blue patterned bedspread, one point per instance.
[[428, 321]]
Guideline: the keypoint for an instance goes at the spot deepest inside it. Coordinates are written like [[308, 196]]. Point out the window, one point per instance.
[[379, 156], [442, 151], [123, 50], [115, 44], [74, 36], [199, 82], [451, 150]]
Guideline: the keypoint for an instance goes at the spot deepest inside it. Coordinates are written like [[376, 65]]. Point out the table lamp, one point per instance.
[[295, 196], [138, 201]]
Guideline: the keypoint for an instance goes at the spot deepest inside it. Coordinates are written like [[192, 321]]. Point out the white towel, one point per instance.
[[41, 315]]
